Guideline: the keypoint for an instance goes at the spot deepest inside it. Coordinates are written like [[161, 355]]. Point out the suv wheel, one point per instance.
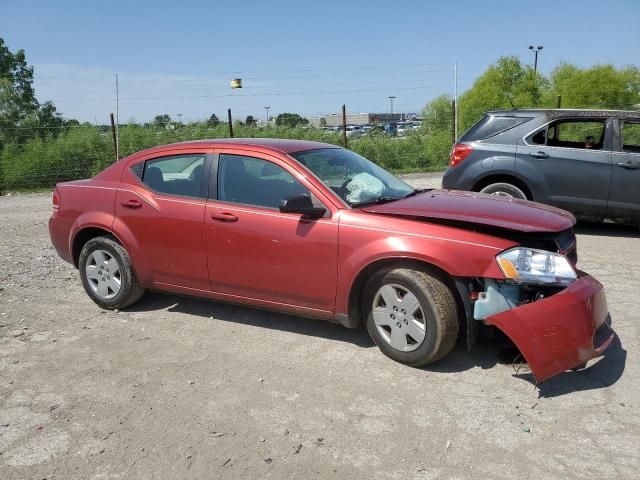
[[504, 190], [410, 315], [107, 274]]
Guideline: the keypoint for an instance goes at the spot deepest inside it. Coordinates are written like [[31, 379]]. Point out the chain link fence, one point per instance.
[[82, 151]]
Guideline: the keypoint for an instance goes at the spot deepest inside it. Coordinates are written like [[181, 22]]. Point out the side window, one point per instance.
[[253, 181], [176, 175], [631, 137], [539, 138], [577, 134]]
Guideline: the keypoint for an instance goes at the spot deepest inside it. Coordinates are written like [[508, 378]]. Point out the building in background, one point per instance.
[[335, 120]]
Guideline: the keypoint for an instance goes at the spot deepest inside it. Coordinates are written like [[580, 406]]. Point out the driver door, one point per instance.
[[253, 250]]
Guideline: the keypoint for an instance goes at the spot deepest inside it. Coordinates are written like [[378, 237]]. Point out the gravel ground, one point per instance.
[[185, 388]]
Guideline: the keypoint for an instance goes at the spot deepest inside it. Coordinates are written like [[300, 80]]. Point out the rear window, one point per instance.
[[490, 126]]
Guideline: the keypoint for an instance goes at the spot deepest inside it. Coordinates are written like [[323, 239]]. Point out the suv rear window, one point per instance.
[[490, 126]]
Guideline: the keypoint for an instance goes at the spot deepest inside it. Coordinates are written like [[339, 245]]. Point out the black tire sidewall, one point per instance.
[[425, 351], [126, 280]]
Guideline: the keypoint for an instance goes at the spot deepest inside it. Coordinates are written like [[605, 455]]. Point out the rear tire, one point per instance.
[[504, 190], [413, 336], [107, 274]]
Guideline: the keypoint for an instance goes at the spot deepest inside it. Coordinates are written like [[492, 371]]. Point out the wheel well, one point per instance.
[[357, 289], [83, 236], [503, 179]]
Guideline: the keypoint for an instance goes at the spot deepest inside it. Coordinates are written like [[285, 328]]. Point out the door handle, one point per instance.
[[539, 155], [131, 204], [224, 217], [629, 165]]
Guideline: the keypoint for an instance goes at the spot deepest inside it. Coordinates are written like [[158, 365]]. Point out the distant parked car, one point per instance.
[[354, 131], [584, 161], [311, 229]]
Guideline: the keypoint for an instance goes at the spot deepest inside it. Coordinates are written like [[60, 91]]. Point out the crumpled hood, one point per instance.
[[481, 209]]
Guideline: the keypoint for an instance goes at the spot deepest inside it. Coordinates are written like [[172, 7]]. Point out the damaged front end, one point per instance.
[[550, 311]]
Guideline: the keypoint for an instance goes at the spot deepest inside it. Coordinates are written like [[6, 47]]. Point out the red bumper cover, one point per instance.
[[557, 333]]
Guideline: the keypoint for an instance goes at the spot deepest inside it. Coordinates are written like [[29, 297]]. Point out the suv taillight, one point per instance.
[[56, 199], [459, 152]]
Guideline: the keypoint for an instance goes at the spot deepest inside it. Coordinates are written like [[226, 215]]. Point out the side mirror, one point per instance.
[[301, 203]]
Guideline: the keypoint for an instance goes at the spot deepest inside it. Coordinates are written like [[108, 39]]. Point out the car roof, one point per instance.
[[569, 112], [280, 145]]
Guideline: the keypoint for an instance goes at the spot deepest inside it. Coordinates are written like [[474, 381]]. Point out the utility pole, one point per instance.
[[391, 100], [117, 133], [115, 142], [344, 125], [230, 123], [267, 109], [535, 51]]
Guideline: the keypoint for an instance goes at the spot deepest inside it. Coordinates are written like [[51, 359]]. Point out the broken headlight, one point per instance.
[[527, 265]]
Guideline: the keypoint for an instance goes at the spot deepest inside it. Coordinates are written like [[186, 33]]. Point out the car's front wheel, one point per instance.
[[107, 274], [411, 315], [504, 190]]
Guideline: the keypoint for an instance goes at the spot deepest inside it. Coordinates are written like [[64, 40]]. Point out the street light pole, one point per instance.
[[535, 51], [267, 109], [391, 100]]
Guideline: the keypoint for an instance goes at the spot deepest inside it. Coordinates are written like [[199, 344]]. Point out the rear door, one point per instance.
[[624, 196], [257, 252], [572, 158], [160, 203]]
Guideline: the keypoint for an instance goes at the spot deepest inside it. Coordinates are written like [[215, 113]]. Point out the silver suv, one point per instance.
[[584, 161]]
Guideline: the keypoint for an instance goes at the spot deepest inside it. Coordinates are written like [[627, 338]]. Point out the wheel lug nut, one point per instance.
[[395, 309], [399, 325], [393, 317], [403, 310], [406, 322]]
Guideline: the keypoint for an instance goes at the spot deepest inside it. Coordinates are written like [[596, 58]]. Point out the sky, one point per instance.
[[307, 57]]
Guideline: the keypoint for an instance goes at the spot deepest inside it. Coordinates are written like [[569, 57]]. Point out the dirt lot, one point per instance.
[[186, 388]]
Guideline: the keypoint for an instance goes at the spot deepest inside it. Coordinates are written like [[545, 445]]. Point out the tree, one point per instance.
[[17, 98], [213, 121], [161, 121], [436, 116], [601, 86], [250, 121], [505, 84], [49, 120], [290, 120]]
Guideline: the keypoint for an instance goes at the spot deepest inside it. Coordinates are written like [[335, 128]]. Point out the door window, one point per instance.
[[631, 137], [176, 175], [588, 134], [254, 181], [575, 134]]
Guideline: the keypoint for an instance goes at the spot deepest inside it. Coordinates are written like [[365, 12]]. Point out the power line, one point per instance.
[[445, 66]]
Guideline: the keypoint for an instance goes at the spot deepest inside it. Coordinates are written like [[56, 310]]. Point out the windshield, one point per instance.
[[354, 178]]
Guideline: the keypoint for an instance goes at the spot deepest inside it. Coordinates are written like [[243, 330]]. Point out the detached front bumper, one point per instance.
[[558, 333]]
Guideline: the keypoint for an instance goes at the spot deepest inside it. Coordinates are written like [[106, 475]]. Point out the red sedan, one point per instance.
[[319, 231]]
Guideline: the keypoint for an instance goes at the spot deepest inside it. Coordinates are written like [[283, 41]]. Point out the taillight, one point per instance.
[[56, 199], [459, 152]]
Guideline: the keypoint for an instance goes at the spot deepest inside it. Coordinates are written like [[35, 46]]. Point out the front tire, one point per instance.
[[411, 315], [504, 190], [107, 274]]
